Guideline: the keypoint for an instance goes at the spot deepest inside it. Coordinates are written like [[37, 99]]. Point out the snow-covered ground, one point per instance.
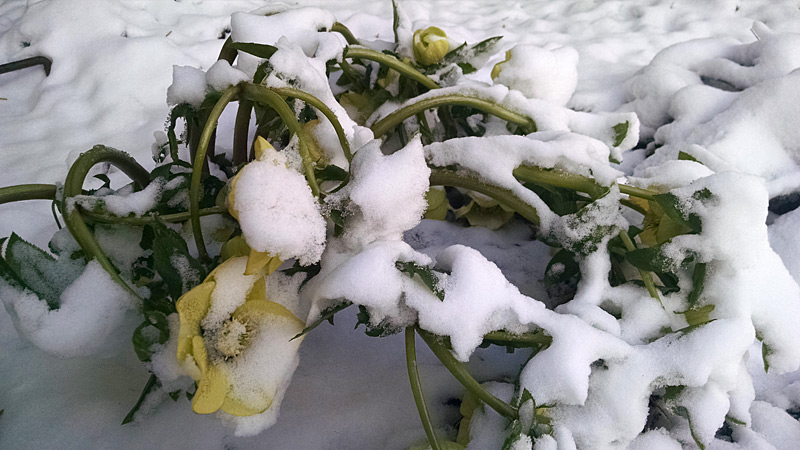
[[113, 62]]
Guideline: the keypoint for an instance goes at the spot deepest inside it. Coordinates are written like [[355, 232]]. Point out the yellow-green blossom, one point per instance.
[[430, 45], [212, 355]]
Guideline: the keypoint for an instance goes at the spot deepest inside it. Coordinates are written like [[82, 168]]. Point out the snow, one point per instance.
[[714, 80]]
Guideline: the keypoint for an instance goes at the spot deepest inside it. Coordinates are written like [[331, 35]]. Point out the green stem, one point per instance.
[[647, 277], [144, 220], [73, 186], [20, 192], [227, 52], [533, 338], [386, 124], [241, 130], [446, 177], [637, 192], [27, 62], [263, 94], [392, 62], [323, 108], [197, 168], [553, 177], [463, 376], [344, 31], [416, 388]]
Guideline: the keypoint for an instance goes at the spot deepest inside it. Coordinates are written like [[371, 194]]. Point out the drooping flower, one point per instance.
[[430, 45], [235, 343]]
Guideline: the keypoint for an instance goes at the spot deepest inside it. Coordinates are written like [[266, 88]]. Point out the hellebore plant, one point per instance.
[[299, 173]]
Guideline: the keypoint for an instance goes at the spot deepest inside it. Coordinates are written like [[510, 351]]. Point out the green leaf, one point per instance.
[[331, 173], [152, 386], [327, 314], [671, 204], [652, 259], [172, 261], [683, 156], [620, 131], [338, 222], [382, 329], [260, 50], [310, 271], [766, 351], [153, 331], [561, 268], [395, 21], [424, 273], [698, 316], [698, 282], [38, 271]]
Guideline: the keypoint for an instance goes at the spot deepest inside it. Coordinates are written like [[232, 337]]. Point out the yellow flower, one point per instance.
[[218, 346], [237, 246], [430, 45]]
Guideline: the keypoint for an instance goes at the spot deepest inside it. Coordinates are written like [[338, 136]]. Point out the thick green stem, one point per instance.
[[197, 168], [228, 52], [20, 192], [388, 123], [323, 108], [27, 62], [461, 374], [637, 192], [241, 130], [647, 277], [531, 339], [73, 186], [416, 388], [392, 62], [446, 177], [344, 31], [263, 94], [558, 178], [144, 220]]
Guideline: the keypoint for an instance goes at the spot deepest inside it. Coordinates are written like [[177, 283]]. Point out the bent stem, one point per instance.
[[527, 339], [557, 178], [263, 94], [323, 108], [73, 186], [20, 192], [392, 62], [197, 167], [446, 177], [386, 124], [338, 27], [240, 132], [461, 374], [416, 388]]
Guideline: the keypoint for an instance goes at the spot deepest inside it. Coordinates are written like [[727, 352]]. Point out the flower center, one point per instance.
[[231, 338]]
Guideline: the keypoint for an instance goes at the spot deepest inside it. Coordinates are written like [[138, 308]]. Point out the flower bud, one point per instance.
[[430, 45]]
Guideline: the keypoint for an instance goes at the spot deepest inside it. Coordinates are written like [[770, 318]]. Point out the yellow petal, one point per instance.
[[499, 66], [199, 353], [235, 407], [258, 291], [260, 309], [261, 263], [232, 196], [260, 146], [430, 45], [192, 307], [235, 246], [211, 391]]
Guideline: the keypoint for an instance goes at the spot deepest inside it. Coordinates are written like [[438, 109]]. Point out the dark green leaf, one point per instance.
[[38, 271], [467, 68], [382, 329], [175, 395], [152, 386], [172, 261], [153, 331], [698, 281], [395, 21], [561, 268], [424, 273], [331, 173], [683, 156], [338, 222], [620, 131], [327, 314], [260, 50], [652, 259]]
